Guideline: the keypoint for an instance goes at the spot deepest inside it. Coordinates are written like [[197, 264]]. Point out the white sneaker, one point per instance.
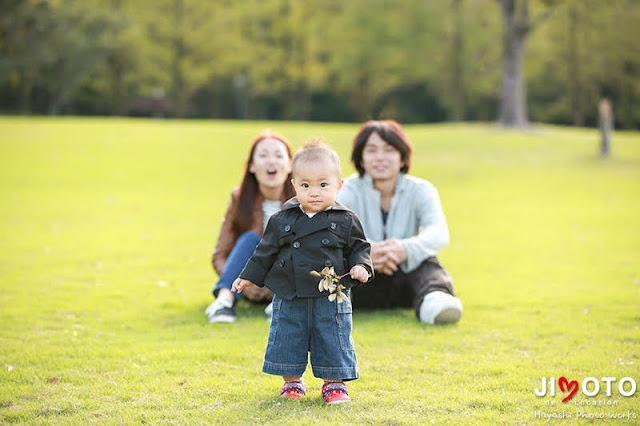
[[440, 308], [269, 311], [221, 310]]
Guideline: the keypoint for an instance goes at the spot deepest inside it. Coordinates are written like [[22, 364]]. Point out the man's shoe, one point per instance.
[[221, 310], [440, 308], [335, 393]]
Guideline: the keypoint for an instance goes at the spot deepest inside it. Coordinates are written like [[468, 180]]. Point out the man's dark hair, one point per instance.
[[391, 132]]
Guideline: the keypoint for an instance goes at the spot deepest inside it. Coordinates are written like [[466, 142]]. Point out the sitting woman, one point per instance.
[[265, 187]]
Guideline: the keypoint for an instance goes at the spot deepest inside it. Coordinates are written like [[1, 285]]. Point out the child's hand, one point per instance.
[[239, 284], [359, 273]]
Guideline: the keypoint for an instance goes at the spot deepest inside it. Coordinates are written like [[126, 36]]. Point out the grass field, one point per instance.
[[106, 230]]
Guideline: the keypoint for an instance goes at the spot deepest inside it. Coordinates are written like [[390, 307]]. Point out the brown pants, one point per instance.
[[402, 290]]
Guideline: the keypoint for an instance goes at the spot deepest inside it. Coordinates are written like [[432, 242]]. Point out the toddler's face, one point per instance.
[[316, 184]]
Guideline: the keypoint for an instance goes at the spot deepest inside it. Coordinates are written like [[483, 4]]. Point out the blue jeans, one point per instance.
[[242, 251], [315, 327]]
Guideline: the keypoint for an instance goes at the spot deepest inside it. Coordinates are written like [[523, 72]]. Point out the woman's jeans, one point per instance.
[[242, 251]]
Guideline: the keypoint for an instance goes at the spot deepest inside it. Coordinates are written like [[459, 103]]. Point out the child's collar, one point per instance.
[[294, 203]]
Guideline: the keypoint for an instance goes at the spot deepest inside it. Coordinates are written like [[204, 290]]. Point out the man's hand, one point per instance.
[[382, 263], [396, 249], [359, 273], [387, 255], [239, 284]]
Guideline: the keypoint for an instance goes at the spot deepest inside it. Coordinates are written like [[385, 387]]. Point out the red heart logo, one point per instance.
[[562, 382]]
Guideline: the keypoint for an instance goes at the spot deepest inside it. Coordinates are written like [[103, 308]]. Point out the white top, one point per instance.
[[313, 214], [269, 208], [416, 217]]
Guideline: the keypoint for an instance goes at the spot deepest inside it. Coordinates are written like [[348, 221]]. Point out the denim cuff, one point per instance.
[[287, 370]]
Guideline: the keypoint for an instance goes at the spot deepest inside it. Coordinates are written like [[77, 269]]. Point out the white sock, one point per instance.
[[225, 301]]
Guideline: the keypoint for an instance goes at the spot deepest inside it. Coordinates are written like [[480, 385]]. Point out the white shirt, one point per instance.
[[269, 207], [416, 217], [313, 214]]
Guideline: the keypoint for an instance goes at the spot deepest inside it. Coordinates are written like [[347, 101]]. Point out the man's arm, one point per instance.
[[359, 248], [434, 232]]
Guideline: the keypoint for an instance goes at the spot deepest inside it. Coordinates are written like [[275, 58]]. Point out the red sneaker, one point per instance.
[[293, 390], [335, 393]]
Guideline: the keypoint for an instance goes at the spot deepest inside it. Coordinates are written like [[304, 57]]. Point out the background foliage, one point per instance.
[[329, 60]]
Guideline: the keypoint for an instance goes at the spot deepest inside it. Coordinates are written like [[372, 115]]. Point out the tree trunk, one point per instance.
[[513, 98]]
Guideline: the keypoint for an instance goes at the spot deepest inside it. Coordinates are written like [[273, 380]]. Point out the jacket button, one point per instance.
[[327, 263], [325, 241], [333, 225], [296, 244], [287, 228]]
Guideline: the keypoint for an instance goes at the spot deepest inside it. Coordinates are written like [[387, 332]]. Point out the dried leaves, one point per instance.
[[331, 282]]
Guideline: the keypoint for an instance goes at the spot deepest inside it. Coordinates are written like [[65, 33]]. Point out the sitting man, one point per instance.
[[404, 222]]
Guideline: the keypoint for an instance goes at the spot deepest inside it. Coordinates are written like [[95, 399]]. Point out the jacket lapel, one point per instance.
[[303, 225], [306, 225]]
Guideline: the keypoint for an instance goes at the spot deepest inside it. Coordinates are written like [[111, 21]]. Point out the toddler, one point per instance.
[[311, 232]]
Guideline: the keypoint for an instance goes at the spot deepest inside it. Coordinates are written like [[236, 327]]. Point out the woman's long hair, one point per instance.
[[250, 190]]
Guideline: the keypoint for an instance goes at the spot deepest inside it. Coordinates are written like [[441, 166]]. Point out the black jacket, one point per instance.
[[293, 245]]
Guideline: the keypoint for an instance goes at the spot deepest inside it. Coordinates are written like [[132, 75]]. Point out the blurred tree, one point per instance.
[[517, 25], [573, 66], [467, 74], [615, 56], [84, 38], [282, 62], [25, 47], [457, 63], [379, 46], [180, 39], [413, 60], [579, 56], [483, 59], [121, 60], [52, 46]]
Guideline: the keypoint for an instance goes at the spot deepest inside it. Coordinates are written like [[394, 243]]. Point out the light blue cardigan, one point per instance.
[[416, 217]]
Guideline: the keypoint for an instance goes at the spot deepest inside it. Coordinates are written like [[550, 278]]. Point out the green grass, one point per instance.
[[106, 230]]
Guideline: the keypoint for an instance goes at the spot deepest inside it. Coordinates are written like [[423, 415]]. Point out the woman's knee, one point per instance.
[[249, 237]]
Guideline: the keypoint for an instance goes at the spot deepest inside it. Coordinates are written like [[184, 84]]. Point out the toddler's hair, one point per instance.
[[313, 152]]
